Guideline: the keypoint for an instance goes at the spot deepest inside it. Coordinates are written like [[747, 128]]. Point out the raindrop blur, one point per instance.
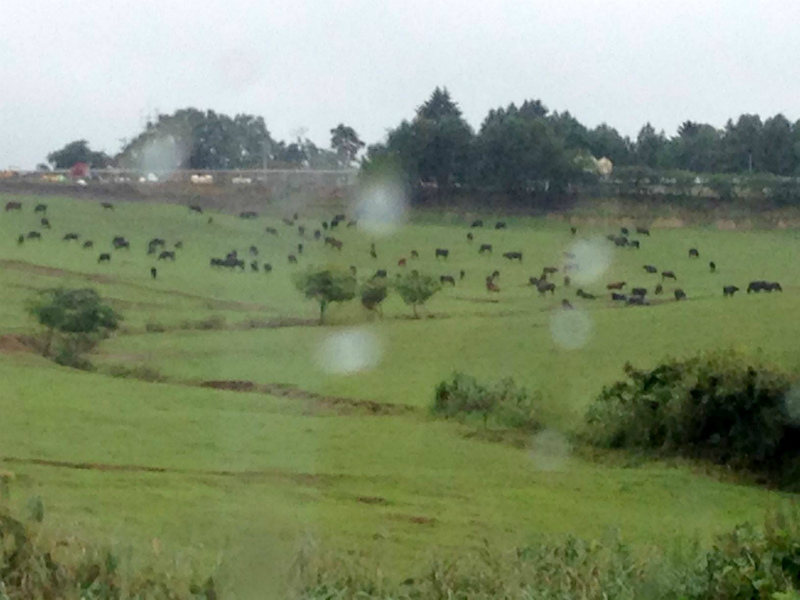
[[592, 259], [163, 155], [382, 207], [349, 351], [550, 450], [239, 69], [570, 329]]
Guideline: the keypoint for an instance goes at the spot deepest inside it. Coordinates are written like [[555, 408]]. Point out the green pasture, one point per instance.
[[215, 473]]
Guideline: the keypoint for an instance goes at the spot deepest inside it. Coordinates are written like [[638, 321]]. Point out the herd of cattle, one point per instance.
[[636, 296]]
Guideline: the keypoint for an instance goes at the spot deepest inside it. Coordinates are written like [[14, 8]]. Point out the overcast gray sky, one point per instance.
[[94, 69]]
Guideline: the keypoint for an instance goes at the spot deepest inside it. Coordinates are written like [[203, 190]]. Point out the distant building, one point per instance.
[[79, 170]]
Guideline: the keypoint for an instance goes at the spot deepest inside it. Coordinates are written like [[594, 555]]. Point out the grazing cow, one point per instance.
[[443, 252], [34, 235], [619, 297], [104, 257], [680, 294], [40, 208], [447, 279], [624, 231], [120, 242], [513, 255], [317, 234], [333, 243], [659, 289], [643, 230], [20, 240], [478, 223], [491, 286], [271, 231], [495, 274], [544, 286], [635, 244], [352, 223], [267, 268], [232, 255], [485, 248], [353, 270], [167, 255], [13, 206], [414, 254], [500, 225], [401, 262], [549, 270], [107, 205], [693, 253], [668, 275], [462, 273], [712, 266], [639, 291], [586, 296], [756, 286], [470, 237], [45, 223], [195, 208], [573, 230], [617, 285], [637, 301], [155, 242], [568, 255], [380, 273], [301, 230], [253, 251], [611, 237], [372, 253], [334, 224], [254, 266], [620, 242], [153, 272], [774, 286], [729, 290], [249, 214], [295, 216], [650, 269], [325, 225], [565, 304], [567, 281], [292, 259], [217, 262], [299, 248], [533, 280], [88, 244]]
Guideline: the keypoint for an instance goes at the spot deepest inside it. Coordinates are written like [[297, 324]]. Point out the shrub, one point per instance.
[[327, 285], [141, 372], [373, 293], [153, 327], [719, 406], [416, 289], [212, 322], [505, 403]]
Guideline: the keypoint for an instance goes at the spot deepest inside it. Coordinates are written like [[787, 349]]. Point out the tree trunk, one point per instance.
[[414, 308], [322, 307]]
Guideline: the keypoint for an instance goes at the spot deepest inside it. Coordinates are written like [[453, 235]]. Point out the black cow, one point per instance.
[[766, 286], [485, 248], [470, 237], [267, 268], [34, 235], [325, 225], [120, 242], [167, 255], [352, 223], [253, 251], [712, 266], [585, 295], [620, 242], [693, 253], [301, 230], [299, 248], [334, 224], [659, 290], [635, 244], [650, 269], [668, 275], [414, 254], [40, 208], [729, 290], [292, 259], [565, 304], [107, 205], [637, 301], [104, 257], [13, 206], [567, 281], [643, 230], [447, 279], [333, 243], [20, 240], [624, 231], [380, 273], [544, 287], [443, 252], [500, 225], [156, 242], [271, 231], [179, 245], [353, 270], [317, 234], [550, 270], [639, 292], [462, 273], [45, 223], [254, 266], [248, 214], [196, 208], [680, 294], [153, 272], [478, 223], [71, 236], [619, 297], [513, 255], [573, 230], [88, 244]]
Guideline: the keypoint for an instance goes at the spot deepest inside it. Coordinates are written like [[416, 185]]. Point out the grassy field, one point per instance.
[[248, 478]]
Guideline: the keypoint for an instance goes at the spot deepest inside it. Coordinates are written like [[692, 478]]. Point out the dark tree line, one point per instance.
[[528, 147]]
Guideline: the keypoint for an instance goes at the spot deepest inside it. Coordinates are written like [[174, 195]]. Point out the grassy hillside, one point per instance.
[[211, 471]]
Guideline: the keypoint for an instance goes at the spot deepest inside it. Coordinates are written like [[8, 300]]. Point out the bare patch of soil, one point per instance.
[[15, 343]]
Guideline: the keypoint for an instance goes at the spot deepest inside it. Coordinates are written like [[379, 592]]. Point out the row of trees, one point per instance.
[[527, 147], [195, 139]]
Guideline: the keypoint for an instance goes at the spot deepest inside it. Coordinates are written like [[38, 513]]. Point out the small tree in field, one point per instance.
[[373, 293], [79, 315], [416, 289], [326, 286]]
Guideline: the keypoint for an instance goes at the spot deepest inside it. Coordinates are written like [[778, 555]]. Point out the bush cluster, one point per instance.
[[720, 406], [505, 404], [142, 372]]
